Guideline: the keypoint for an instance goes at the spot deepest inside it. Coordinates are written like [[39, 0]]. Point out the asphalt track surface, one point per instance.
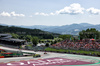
[[55, 59]]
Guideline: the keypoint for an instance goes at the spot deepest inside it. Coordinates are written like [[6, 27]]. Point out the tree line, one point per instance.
[[84, 34], [25, 31], [89, 34]]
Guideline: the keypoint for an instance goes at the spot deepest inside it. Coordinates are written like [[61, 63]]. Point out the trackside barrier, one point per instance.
[[11, 53], [1, 56], [14, 53], [29, 53]]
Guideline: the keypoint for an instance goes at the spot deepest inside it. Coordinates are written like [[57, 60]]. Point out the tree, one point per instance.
[[47, 45], [55, 41], [28, 38], [66, 37], [35, 40], [48, 36], [21, 37], [16, 36], [89, 33], [22, 32], [52, 42]]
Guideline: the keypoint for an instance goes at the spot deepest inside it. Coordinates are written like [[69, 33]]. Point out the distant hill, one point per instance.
[[85, 24], [42, 27], [26, 31], [73, 29]]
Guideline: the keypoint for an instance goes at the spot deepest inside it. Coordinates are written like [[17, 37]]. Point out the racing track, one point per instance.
[[57, 59]]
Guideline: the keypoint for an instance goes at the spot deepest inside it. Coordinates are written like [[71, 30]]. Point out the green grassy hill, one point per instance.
[[25, 31]]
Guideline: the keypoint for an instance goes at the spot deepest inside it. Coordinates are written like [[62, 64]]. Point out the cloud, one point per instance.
[[93, 11], [73, 9], [43, 14], [36, 13], [19, 15], [11, 14], [5, 14], [52, 13]]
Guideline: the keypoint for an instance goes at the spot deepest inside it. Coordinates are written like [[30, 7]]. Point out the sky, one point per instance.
[[49, 12]]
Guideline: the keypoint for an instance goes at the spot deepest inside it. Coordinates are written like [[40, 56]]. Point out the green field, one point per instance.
[[74, 51]]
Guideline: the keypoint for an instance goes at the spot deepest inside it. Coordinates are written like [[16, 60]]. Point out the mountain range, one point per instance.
[[72, 29]]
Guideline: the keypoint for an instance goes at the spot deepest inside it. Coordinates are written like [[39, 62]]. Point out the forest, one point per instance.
[[25, 31]]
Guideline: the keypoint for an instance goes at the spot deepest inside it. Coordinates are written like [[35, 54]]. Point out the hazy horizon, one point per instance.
[[46, 25]]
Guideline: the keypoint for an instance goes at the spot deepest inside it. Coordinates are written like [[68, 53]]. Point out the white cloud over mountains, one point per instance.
[[93, 11], [11, 14], [72, 9]]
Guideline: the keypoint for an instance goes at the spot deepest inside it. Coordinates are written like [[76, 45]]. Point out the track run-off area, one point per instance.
[[49, 59]]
